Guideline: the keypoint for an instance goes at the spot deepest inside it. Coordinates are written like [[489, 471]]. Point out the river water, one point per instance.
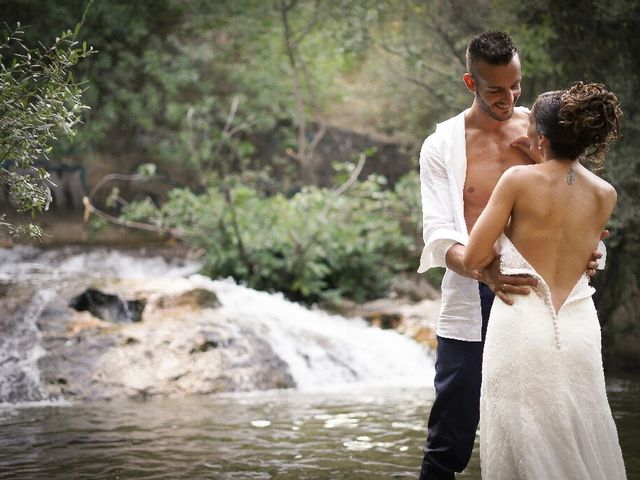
[[351, 434], [338, 424]]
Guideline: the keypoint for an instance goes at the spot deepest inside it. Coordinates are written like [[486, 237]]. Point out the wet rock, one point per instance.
[[413, 287], [197, 297], [19, 342], [418, 320], [85, 321], [179, 356], [179, 348], [108, 307], [183, 344]]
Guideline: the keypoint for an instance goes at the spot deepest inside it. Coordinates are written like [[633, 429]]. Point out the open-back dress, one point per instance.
[[544, 412]]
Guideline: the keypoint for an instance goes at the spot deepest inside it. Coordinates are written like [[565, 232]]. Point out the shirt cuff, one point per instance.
[[435, 250]]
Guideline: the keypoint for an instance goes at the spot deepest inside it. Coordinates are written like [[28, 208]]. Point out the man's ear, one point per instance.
[[469, 82]]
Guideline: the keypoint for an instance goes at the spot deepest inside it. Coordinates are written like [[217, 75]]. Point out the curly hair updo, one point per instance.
[[580, 120]]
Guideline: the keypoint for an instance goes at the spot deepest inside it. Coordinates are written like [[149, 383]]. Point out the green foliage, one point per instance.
[[206, 90], [28, 230], [201, 86], [314, 245], [146, 170], [39, 100], [566, 32]]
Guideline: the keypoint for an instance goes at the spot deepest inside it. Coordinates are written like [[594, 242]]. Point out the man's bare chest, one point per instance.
[[485, 165]]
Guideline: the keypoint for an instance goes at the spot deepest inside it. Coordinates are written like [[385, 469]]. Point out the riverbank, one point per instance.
[[402, 310], [62, 228], [72, 334]]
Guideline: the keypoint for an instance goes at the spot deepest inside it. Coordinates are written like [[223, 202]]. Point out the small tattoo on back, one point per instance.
[[571, 176]]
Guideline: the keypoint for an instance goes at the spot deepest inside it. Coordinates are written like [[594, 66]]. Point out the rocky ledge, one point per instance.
[[183, 343]]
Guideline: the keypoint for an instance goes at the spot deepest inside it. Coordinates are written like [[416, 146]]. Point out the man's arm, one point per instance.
[[502, 285], [438, 223], [599, 257]]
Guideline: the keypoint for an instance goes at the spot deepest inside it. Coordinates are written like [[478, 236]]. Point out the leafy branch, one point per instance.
[[40, 99]]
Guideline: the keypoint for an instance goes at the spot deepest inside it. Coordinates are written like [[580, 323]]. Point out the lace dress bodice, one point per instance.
[[513, 263]]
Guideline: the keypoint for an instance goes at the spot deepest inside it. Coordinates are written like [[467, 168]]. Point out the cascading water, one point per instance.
[[321, 351], [23, 263], [20, 350]]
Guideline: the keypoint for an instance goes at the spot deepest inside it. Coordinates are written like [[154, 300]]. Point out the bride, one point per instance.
[[544, 412]]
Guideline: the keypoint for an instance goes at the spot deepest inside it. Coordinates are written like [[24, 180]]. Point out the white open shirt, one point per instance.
[[443, 169]]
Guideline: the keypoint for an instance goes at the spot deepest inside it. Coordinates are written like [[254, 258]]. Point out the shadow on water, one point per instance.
[[350, 435]]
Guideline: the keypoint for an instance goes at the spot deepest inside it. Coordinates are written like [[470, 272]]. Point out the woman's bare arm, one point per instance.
[[480, 250]]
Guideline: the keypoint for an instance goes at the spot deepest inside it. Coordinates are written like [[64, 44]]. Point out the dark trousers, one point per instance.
[[456, 409]]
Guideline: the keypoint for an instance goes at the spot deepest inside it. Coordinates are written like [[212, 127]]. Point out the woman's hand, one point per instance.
[[522, 144]]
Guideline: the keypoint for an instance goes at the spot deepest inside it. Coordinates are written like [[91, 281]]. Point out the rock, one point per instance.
[[414, 287], [183, 345], [19, 338], [108, 307], [84, 321], [195, 353], [197, 297], [417, 320]]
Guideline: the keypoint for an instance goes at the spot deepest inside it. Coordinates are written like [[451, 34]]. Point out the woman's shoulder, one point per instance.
[[522, 173], [518, 180], [604, 194], [601, 187]]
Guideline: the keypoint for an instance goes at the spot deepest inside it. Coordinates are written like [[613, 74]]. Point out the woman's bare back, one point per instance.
[[556, 221]]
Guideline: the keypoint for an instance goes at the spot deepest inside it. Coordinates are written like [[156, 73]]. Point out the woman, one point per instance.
[[543, 411]]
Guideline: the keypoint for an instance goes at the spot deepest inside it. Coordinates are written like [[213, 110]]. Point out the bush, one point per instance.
[[314, 245]]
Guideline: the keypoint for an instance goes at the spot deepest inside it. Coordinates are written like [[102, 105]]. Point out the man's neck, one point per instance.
[[476, 117]]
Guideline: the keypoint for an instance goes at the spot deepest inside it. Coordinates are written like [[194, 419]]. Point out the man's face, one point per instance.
[[498, 88]]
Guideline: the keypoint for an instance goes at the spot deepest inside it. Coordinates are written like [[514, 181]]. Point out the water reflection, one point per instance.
[[261, 435]]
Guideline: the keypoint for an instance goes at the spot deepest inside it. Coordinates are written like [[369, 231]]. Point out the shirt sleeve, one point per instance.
[[438, 224]]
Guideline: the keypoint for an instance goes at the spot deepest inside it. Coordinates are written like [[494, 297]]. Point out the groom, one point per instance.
[[460, 165]]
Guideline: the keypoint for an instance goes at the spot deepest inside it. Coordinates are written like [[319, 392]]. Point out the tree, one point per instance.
[[39, 100], [596, 41]]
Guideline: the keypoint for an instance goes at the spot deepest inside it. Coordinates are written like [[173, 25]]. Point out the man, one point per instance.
[[460, 165]]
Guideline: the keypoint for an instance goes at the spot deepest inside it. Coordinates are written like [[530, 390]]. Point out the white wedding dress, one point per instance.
[[544, 413]]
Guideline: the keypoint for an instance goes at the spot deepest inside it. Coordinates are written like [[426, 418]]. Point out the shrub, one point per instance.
[[314, 245]]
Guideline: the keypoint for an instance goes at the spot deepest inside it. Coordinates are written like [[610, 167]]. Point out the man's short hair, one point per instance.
[[494, 48]]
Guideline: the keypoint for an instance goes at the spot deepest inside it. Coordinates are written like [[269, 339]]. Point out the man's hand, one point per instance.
[[593, 264], [522, 144], [504, 285], [595, 256]]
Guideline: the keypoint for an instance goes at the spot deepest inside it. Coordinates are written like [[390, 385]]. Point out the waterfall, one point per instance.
[[20, 350], [22, 263], [320, 350]]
